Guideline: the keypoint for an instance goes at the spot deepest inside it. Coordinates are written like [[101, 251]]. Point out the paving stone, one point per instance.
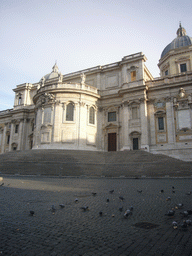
[[70, 231]]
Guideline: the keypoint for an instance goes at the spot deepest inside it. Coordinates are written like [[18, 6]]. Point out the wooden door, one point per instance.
[[112, 141]]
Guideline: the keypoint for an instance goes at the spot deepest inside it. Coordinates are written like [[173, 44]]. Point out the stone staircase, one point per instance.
[[90, 163]]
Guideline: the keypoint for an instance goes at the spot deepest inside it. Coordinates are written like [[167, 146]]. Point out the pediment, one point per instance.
[[111, 126]]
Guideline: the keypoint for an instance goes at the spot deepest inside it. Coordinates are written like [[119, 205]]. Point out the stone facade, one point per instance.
[[114, 107]]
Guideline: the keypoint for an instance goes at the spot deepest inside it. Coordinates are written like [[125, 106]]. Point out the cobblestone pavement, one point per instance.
[[73, 231]]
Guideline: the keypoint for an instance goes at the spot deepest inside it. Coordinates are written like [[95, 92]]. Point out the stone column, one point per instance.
[[144, 126], [4, 139], [24, 134], [170, 122], [152, 125], [82, 125], [37, 131], [99, 81], [57, 120], [125, 127], [20, 135], [11, 135]]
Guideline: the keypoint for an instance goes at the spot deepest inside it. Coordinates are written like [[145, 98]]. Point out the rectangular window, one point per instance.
[[133, 76], [161, 123], [166, 73], [134, 113], [47, 116], [16, 128], [183, 67], [111, 116]]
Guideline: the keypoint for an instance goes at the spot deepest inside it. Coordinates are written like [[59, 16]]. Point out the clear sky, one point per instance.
[[80, 34]]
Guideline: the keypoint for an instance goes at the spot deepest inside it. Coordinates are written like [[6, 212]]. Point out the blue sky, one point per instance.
[[80, 34]]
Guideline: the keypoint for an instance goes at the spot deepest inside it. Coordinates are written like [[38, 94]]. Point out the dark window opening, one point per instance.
[[91, 115], [69, 112], [111, 116], [8, 139], [16, 128], [183, 67], [19, 100], [160, 123]]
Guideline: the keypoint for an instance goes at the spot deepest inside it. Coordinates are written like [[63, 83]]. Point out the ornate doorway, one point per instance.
[[112, 138]]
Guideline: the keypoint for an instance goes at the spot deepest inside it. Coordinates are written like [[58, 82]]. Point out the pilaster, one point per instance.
[[4, 139], [20, 135], [11, 135], [125, 127], [170, 122], [144, 126]]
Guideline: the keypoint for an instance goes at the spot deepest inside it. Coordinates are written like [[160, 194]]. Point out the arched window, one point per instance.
[[19, 99], [92, 115], [70, 112]]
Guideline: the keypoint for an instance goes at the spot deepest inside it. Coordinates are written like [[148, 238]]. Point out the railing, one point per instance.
[[70, 85], [170, 79], [7, 111]]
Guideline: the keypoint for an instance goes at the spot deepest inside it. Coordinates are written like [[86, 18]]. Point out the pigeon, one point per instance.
[[188, 193], [131, 208], [162, 191], [127, 213], [32, 213], [85, 208], [178, 206], [170, 213], [94, 194], [173, 191], [111, 191], [173, 187], [2, 184], [53, 208], [100, 213], [168, 198], [189, 222], [174, 224], [107, 199], [121, 198], [121, 208], [184, 213], [139, 191], [62, 206], [184, 225], [76, 200], [189, 212]]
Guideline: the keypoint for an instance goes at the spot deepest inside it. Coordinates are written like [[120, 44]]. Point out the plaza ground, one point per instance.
[[72, 231]]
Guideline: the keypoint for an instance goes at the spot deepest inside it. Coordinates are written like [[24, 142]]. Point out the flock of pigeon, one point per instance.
[[184, 223]]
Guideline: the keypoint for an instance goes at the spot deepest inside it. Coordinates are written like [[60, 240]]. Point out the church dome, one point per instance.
[[182, 40], [53, 74]]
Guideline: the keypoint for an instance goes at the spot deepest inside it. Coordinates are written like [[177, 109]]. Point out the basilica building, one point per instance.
[[115, 107]]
